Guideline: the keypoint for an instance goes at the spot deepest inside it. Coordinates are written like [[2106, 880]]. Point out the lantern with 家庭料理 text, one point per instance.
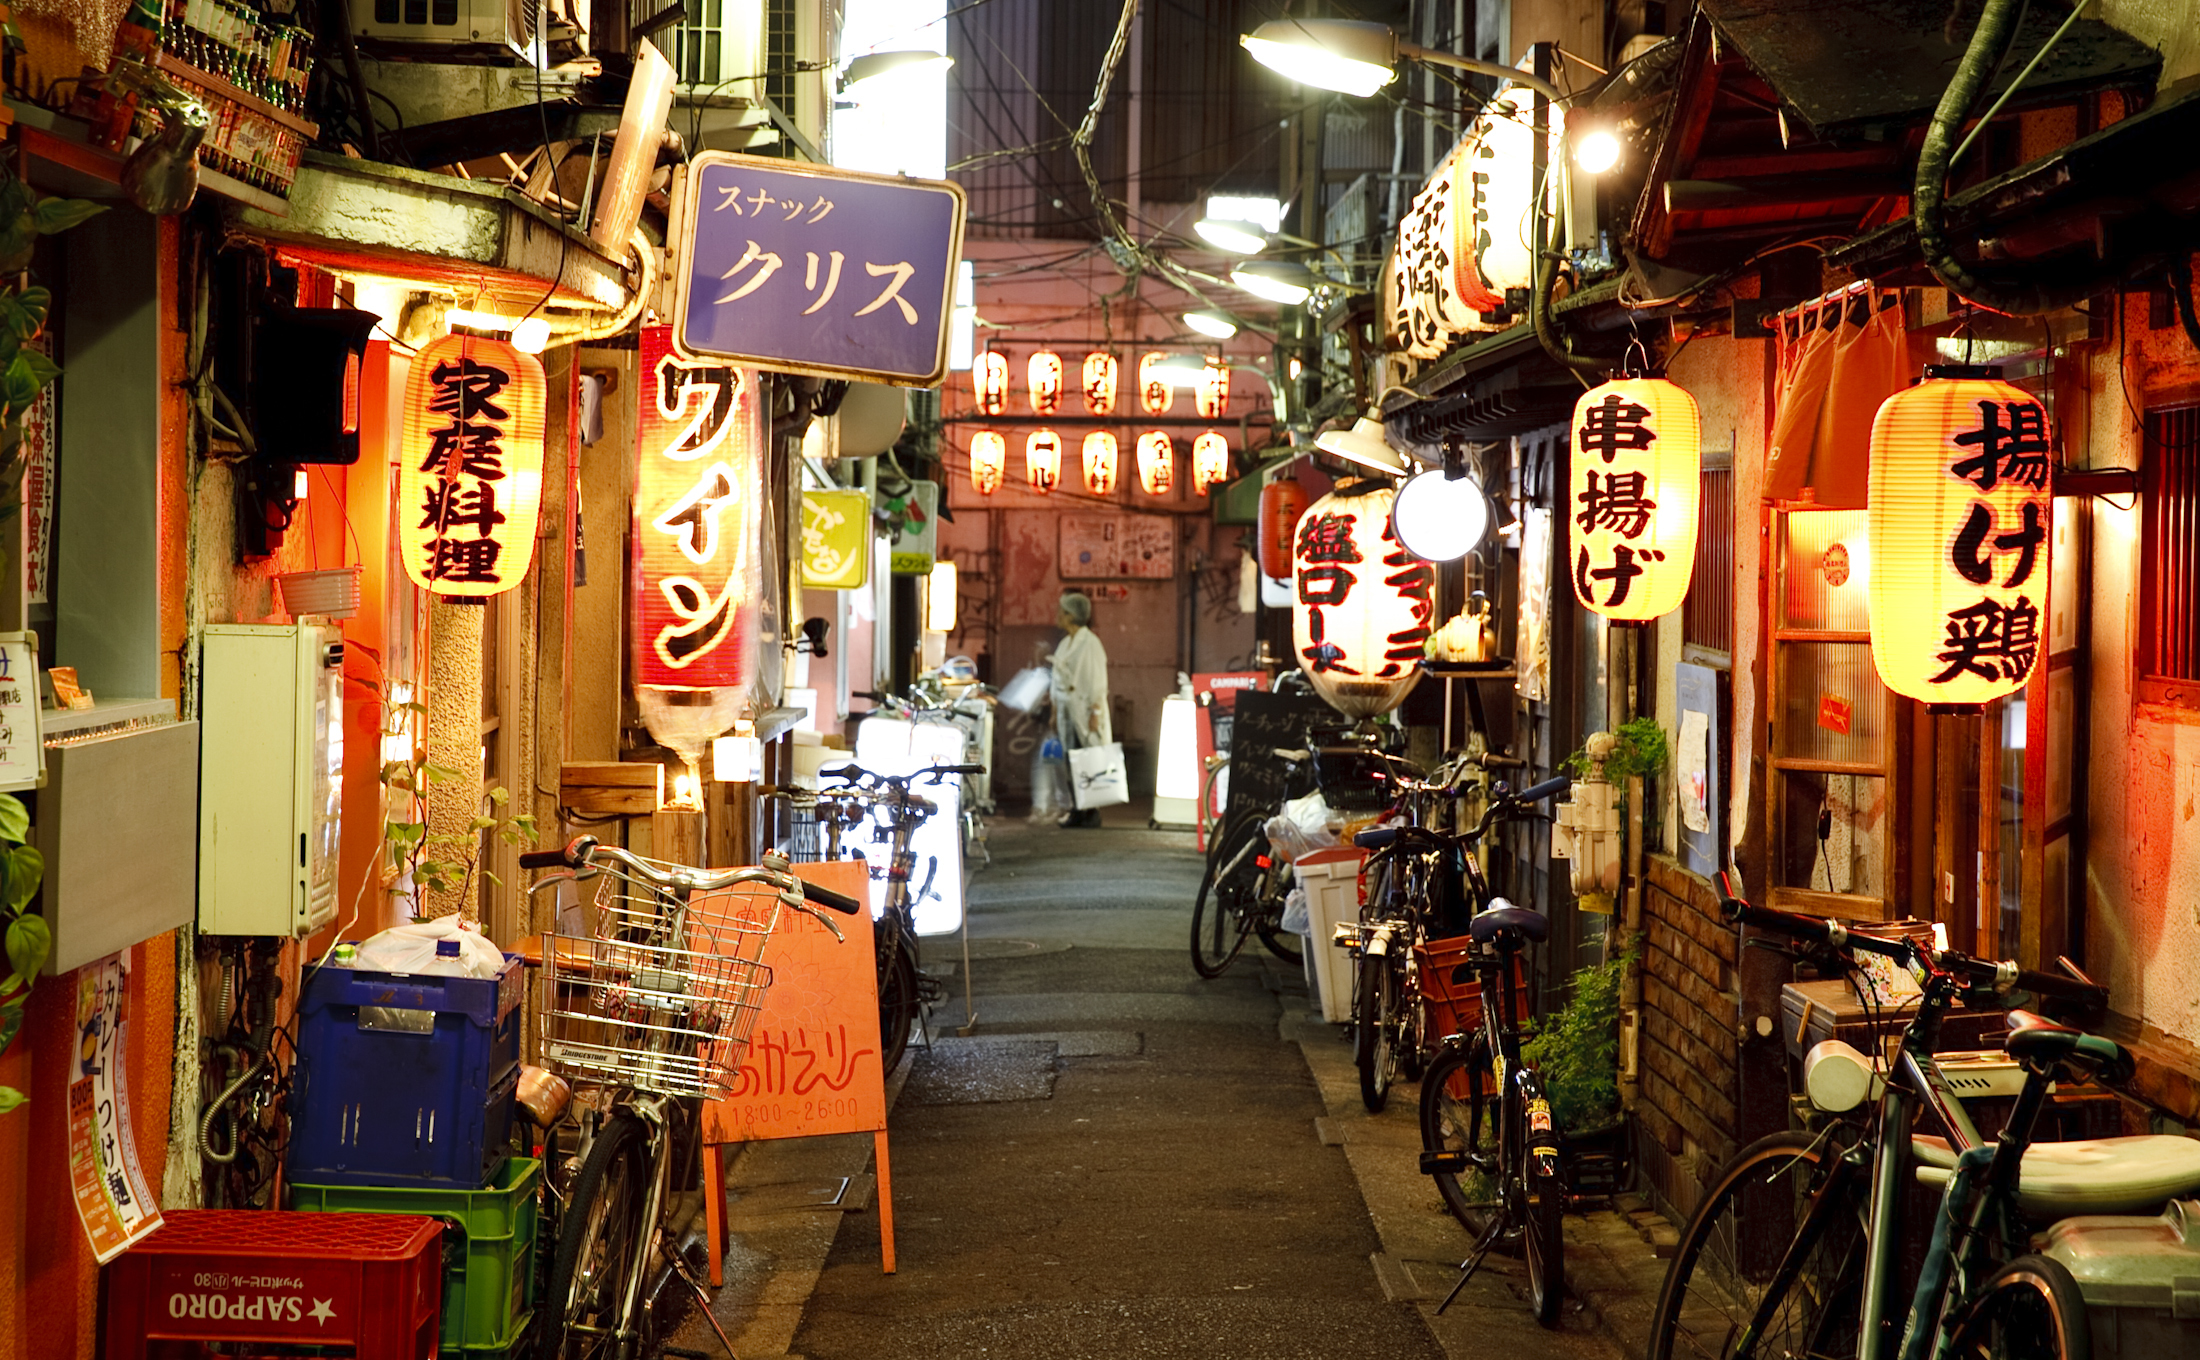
[[1362, 604], [1156, 463], [1210, 461], [1044, 374], [1959, 518], [1043, 460], [1100, 462], [1100, 383], [988, 461], [1632, 501], [1154, 393], [470, 485], [989, 381]]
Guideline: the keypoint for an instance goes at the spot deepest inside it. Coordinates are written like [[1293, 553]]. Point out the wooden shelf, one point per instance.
[[184, 70]]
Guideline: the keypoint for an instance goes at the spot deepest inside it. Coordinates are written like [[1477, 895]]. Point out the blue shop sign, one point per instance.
[[810, 269]]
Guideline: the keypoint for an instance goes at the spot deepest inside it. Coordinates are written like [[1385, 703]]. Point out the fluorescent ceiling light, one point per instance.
[[1239, 238], [1265, 213], [1211, 321], [1345, 55], [1281, 281], [1180, 370], [1364, 444]]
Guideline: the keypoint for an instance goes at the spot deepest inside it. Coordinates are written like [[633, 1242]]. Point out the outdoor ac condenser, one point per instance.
[[468, 30], [271, 769]]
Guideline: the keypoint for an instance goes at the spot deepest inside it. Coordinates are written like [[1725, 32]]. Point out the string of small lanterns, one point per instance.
[[1045, 377]]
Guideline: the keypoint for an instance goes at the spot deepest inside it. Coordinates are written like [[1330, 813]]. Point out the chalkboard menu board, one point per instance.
[[1261, 722]]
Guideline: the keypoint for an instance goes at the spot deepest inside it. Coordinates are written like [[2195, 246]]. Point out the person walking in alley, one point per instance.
[[1080, 690]]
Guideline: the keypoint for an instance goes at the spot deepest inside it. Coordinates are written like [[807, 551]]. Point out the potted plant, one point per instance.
[[438, 861], [22, 870], [1576, 1050]]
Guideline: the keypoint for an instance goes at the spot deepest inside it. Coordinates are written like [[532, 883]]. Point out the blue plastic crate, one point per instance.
[[404, 1079]]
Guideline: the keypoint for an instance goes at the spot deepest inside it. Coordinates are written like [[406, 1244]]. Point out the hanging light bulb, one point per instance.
[[1440, 518], [1043, 460], [988, 461], [1100, 462], [1156, 463]]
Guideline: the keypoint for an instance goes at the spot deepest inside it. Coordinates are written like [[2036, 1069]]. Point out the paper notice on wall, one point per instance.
[[1695, 762], [38, 473], [114, 1202], [22, 753], [1534, 648]]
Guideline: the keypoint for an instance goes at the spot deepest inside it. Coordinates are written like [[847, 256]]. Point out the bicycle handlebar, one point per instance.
[[581, 851]]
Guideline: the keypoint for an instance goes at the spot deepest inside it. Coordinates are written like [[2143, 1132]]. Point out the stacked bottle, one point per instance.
[[267, 57]]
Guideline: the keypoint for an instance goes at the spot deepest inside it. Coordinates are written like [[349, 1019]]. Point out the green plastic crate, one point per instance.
[[488, 1257]]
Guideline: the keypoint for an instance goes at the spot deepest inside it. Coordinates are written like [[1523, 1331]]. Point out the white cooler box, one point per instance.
[[2140, 1278], [1332, 882]]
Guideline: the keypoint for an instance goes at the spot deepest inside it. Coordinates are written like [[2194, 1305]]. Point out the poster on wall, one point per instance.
[[698, 512], [917, 546], [38, 447], [1098, 547], [1534, 646], [22, 753], [836, 539], [113, 1200]]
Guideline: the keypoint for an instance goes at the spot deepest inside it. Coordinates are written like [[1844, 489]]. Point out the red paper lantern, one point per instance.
[[1961, 517], [989, 379], [1631, 510], [1362, 603], [1281, 505], [470, 489], [1154, 392], [1210, 461], [1213, 394], [1044, 374], [1043, 460], [988, 462], [1156, 463], [1100, 383], [1100, 462]]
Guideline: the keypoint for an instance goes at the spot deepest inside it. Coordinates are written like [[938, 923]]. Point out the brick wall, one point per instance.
[[1685, 1097]]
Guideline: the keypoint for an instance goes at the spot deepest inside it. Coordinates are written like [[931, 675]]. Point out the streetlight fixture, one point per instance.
[[1280, 281], [1439, 517], [1358, 58], [1238, 238], [1364, 444], [1179, 370], [876, 73], [1212, 321]]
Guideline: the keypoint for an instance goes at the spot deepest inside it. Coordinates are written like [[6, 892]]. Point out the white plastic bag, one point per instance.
[[1295, 915], [1301, 828], [411, 949], [1025, 689]]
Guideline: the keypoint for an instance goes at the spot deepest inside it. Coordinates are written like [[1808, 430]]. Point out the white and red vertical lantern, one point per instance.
[[1043, 460], [1156, 463], [1960, 522], [1632, 502], [1100, 381], [1102, 461], [1212, 396], [988, 462], [1361, 605], [698, 519], [989, 382], [470, 489], [1155, 396], [1043, 378], [1210, 461]]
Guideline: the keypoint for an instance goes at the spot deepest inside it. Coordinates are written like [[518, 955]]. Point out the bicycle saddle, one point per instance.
[[1375, 837], [2041, 1043], [1534, 926]]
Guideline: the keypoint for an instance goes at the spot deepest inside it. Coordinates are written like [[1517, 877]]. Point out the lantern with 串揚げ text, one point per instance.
[[1043, 460], [1960, 521], [1154, 392], [1210, 461], [470, 488], [1212, 397], [1044, 373], [988, 461], [1156, 463], [989, 380], [1100, 383], [1100, 462], [1362, 604], [1281, 505], [1631, 505]]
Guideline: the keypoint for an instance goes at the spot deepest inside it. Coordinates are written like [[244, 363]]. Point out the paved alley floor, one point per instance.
[[1118, 1159]]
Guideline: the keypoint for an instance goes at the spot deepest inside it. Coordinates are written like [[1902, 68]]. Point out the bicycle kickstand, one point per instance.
[[702, 1297], [1473, 1261]]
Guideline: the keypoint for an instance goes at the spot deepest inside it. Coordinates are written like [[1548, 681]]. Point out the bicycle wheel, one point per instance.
[[2029, 1309], [897, 999], [1224, 913], [1544, 1241], [1278, 941], [1458, 1116], [1375, 1048], [1729, 1254], [602, 1241]]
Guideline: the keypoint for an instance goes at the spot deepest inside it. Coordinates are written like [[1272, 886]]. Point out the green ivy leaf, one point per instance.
[[59, 214], [438, 774], [11, 1020], [498, 796], [10, 1098], [42, 369], [24, 870], [19, 383], [34, 302], [29, 941], [15, 819]]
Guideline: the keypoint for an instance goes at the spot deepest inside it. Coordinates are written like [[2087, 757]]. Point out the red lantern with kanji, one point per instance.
[[1961, 518], [1210, 461], [1213, 394], [1154, 392], [1156, 463], [1100, 383], [989, 380], [1043, 460], [1044, 373], [1631, 507], [1281, 505], [1361, 603], [470, 488], [1100, 462], [988, 462]]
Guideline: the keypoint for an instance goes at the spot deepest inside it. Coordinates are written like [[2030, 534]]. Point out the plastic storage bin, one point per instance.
[[1332, 882], [488, 1248], [405, 1079], [2140, 1278]]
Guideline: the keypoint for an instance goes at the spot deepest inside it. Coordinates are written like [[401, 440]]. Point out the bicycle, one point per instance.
[[1515, 1146], [1792, 1252], [652, 1008], [1241, 896]]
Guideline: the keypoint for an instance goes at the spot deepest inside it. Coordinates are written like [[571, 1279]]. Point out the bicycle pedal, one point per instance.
[[930, 990], [1450, 1161]]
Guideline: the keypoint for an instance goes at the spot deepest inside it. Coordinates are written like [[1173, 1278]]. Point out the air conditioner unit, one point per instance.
[[716, 42], [470, 30]]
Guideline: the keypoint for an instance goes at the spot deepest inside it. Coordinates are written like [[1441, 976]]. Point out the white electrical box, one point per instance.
[[271, 768]]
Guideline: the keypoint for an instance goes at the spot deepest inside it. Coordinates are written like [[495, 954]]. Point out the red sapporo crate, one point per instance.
[[370, 1281], [1450, 988]]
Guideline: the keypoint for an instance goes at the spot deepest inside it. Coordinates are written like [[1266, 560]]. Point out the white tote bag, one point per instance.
[[1097, 778]]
